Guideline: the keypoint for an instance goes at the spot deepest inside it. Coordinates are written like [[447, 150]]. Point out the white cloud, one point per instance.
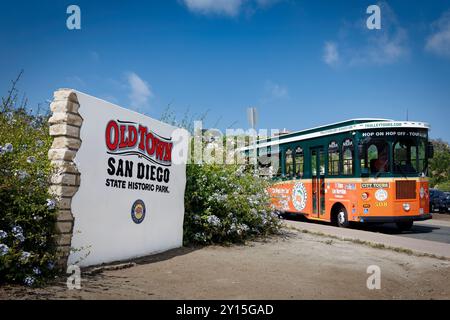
[[140, 91], [387, 47], [276, 91], [220, 7], [330, 53], [229, 8], [439, 41], [359, 46]]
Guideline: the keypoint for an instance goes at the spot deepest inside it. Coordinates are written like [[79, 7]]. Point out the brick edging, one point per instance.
[[65, 124]]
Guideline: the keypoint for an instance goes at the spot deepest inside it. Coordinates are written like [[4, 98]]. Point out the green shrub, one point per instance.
[[27, 211], [226, 204], [443, 186]]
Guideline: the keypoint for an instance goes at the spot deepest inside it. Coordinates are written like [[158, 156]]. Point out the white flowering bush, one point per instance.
[[27, 211], [223, 203], [226, 204]]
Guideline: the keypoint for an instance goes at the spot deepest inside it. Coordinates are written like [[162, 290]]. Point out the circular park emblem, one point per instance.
[[138, 211], [299, 196]]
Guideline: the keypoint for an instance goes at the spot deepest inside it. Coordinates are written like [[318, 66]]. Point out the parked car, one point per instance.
[[439, 201], [447, 201]]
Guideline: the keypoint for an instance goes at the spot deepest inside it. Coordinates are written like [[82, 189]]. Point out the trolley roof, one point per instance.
[[338, 127]]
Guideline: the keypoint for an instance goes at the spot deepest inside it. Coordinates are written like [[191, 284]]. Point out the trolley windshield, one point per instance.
[[398, 152]]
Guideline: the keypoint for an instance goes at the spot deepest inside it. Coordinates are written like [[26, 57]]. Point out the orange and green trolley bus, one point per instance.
[[360, 170]]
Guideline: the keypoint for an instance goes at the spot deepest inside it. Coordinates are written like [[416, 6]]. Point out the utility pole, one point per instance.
[[252, 117]]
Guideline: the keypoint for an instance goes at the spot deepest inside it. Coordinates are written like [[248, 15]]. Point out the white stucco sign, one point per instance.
[[132, 176]]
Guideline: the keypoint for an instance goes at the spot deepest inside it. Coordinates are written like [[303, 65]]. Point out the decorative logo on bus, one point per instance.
[[347, 143], [381, 195], [333, 146], [299, 196]]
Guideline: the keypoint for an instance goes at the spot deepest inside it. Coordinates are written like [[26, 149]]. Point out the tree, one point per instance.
[[440, 164]]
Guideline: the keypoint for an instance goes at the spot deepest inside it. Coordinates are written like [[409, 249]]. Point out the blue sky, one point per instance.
[[301, 63]]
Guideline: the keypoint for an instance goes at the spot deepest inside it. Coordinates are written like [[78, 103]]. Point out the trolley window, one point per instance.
[[333, 159], [289, 163], [299, 162], [347, 156]]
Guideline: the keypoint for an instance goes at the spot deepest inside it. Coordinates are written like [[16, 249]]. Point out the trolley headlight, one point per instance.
[[365, 196], [406, 207]]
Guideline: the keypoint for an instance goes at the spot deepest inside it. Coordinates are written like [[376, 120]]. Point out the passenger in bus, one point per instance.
[[380, 164]]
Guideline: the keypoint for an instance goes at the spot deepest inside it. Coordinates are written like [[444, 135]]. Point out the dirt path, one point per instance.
[[295, 266]]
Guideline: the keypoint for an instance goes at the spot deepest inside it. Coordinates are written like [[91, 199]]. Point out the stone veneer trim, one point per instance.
[[65, 124]]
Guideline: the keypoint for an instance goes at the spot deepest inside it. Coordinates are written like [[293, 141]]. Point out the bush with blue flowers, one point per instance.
[[27, 211]]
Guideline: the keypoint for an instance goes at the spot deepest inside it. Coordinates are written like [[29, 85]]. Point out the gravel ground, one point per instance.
[[292, 266]]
